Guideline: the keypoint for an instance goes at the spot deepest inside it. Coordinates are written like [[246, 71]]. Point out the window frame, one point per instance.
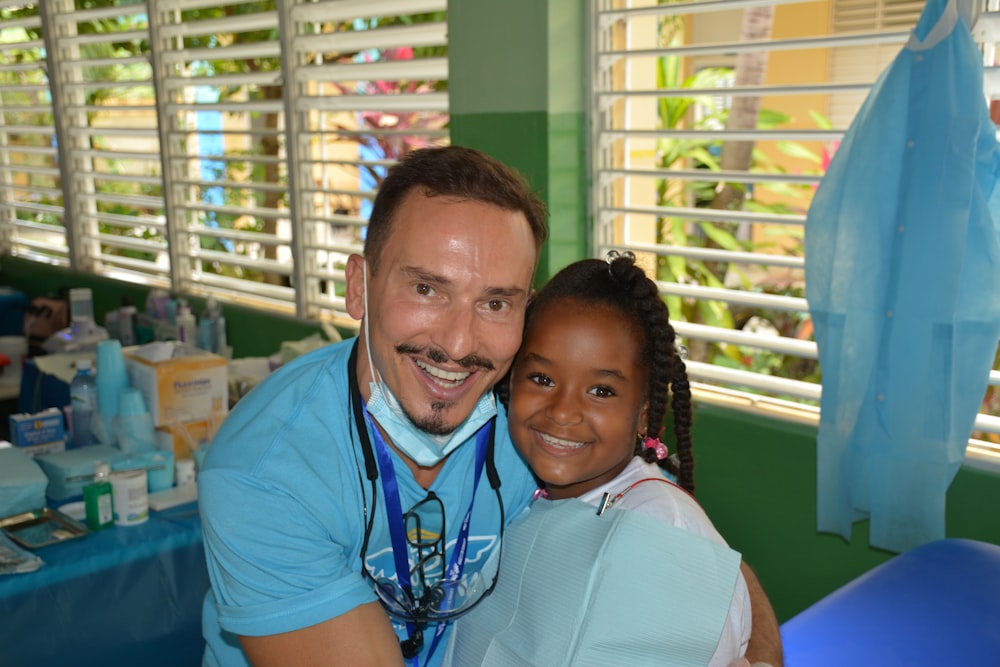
[[620, 149], [163, 239]]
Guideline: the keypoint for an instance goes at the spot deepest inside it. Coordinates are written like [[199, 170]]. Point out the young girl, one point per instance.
[[582, 581]]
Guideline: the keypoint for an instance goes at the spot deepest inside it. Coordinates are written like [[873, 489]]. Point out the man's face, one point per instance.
[[446, 308]]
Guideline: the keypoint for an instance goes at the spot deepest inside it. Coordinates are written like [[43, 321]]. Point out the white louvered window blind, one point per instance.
[[109, 153], [208, 146], [364, 91], [31, 198], [712, 123]]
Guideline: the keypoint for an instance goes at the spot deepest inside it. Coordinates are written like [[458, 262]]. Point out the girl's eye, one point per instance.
[[602, 392], [539, 379]]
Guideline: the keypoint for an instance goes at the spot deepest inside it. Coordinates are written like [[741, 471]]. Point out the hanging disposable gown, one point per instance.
[[903, 285]]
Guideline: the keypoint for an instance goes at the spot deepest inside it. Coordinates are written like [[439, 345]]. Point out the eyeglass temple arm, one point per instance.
[[371, 468], [491, 468]]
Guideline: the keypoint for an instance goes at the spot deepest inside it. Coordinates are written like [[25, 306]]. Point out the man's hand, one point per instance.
[[765, 634]]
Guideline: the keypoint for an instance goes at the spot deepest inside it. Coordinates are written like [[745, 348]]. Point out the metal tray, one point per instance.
[[41, 527]]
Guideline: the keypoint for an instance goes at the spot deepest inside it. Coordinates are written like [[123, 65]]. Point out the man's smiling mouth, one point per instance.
[[447, 379]]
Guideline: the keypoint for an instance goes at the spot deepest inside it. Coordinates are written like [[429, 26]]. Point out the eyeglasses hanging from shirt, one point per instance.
[[426, 593]]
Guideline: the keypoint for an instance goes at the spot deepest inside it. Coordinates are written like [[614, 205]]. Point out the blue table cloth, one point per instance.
[[120, 596]]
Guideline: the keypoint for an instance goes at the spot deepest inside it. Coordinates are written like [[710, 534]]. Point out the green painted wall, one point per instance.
[[756, 478], [517, 91]]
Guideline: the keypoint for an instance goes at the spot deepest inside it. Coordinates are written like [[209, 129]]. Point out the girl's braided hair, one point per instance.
[[623, 286]]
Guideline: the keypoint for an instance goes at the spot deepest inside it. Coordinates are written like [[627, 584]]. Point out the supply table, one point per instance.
[[121, 596]]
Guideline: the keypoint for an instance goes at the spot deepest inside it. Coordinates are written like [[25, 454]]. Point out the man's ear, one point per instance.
[[354, 296]]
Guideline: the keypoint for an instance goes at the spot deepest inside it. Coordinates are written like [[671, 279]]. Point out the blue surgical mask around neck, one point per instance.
[[426, 449]]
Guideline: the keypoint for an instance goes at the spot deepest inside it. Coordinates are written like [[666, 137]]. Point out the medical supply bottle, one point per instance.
[[187, 327], [126, 325], [83, 399], [97, 498]]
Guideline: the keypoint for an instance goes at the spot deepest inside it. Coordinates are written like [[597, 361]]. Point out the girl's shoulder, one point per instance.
[[645, 490]]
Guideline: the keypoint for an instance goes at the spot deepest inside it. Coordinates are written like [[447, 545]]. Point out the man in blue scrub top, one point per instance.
[[351, 500]]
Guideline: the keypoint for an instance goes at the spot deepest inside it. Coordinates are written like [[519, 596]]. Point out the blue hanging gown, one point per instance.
[[903, 285]]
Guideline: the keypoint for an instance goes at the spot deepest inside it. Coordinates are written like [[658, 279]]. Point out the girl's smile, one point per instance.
[[577, 396]]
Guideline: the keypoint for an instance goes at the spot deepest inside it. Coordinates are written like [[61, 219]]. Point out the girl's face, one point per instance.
[[577, 396]]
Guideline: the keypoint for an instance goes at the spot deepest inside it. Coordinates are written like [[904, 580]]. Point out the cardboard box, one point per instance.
[[38, 428], [44, 448], [179, 384], [186, 439]]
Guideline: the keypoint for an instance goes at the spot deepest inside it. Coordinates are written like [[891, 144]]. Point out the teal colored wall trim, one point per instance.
[[756, 478], [251, 333]]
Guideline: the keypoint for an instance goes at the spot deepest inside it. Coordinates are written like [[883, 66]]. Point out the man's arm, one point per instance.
[[765, 634], [363, 637]]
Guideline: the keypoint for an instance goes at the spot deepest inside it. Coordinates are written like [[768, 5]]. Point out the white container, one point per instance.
[[185, 472], [187, 326], [130, 497], [81, 304]]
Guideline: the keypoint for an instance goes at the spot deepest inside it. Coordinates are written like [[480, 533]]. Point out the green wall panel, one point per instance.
[[498, 59], [516, 139], [548, 151], [567, 43], [569, 238], [756, 478]]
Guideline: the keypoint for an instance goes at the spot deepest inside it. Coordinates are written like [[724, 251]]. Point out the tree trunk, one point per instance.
[[270, 147], [750, 71]]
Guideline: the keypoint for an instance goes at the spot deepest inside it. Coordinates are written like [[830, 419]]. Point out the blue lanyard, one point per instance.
[[397, 531]]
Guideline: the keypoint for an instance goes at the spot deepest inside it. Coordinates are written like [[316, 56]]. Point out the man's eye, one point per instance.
[[497, 305], [423, 289]]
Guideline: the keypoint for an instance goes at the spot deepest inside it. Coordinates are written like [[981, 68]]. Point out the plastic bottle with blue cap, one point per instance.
[[83, 399]]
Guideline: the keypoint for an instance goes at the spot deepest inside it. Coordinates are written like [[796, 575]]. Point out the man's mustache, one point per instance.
[[438, 356]]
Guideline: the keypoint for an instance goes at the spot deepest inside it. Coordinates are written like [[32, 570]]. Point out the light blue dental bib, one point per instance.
[[618, 589]]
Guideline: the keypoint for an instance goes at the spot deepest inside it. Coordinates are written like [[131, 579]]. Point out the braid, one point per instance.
[[667, 381], [681, 402], [633, 294]]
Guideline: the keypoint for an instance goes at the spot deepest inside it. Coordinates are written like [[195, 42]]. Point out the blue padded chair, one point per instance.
[[937, 604]]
